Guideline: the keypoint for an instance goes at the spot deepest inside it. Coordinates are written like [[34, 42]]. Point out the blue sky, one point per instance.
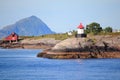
[[62, 15]]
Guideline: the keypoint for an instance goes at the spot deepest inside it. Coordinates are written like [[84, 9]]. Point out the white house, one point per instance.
[[69, 33]]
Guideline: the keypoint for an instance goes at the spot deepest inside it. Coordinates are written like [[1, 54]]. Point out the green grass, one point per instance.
[[62, 36], [112, 34], [56, 36]]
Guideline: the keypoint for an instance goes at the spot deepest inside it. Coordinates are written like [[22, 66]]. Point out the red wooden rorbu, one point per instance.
[[13, 37]]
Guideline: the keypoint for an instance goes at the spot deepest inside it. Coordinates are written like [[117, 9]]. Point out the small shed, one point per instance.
[[69, 33], [13, 37]]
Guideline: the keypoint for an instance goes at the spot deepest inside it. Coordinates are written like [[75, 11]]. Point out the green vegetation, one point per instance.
[[93, 28], [61, 36], [112, 34], [108, 30]]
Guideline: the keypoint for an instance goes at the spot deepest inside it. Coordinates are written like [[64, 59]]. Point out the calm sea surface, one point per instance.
[[22, 64]]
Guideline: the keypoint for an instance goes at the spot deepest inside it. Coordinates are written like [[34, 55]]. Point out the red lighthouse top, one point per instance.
[[80, 26]]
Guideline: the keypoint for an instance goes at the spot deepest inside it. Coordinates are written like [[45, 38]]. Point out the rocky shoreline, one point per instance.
[[46, 43], [74, 48], [25, 46], [77, 55]]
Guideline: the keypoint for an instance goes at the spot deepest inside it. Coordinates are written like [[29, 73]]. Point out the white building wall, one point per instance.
[[69, 33], [80, 31]]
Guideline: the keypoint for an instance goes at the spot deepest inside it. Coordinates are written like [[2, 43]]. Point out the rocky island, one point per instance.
[[86, 46], [45, 43], [91, 47], [100, 46]]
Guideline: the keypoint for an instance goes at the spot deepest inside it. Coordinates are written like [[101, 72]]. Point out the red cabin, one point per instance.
[[13, 37]]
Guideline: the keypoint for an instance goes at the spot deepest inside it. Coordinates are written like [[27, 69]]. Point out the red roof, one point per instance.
[[80, 26], [12, 36]]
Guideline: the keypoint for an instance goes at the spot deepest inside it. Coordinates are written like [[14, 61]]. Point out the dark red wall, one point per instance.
[[12, 37]]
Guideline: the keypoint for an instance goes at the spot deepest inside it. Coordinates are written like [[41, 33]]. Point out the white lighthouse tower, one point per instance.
[[80, 31]]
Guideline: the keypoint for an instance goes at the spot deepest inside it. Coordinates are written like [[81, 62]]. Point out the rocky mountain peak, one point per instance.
[[30, 26]]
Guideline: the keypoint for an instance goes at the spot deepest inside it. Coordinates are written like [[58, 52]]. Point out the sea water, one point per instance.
[[22, 64]]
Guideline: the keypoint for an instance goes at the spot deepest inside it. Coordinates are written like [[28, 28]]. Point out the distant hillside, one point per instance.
[[31, 26]]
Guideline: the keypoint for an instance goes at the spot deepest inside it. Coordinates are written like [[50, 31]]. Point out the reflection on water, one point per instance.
[[18, 64]]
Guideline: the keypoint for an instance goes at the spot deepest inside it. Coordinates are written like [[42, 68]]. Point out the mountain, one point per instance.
[[30, 26]]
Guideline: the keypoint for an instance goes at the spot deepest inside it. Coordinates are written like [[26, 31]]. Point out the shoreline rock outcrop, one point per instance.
[[45, 43], [74, 48], [77, 55]]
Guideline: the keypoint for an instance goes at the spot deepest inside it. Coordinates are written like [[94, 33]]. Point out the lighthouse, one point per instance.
[[80, 31]]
